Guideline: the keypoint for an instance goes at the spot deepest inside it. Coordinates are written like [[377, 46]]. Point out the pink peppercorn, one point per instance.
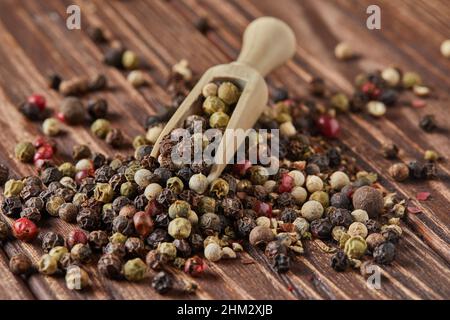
[[25, 229], [286, 183], [75, 237], [194, 266], [37, 100], [328, 126], [263, 208]]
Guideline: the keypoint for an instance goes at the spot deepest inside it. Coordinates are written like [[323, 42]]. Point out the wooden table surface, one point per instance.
[[34, 42]]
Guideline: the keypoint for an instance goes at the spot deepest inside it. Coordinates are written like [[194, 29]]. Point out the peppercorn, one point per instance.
[[428, 123], [357, 229], [210, 222], [20, 264], [180, 228], [384, 253], [53, 81], [98, 239], [339, 261], [340, 102], [57, 252], [4, 231], [219, 187], [399, 171], [134, 247], [208, 90], [343, 51], [179, 208], [103, 192], [135, 270], [72, 109], [368, 199], [50, 175], [312, 210], [11, 206], [47, 265], [260, 235], [130, 60], [123, 225], [320, 196], [51, 127], [143, 223], [24, 151], [113, 57], [77, 278], [115, 138], [81, 253], [110, 265], [136, 78], [101, 128], [321, 228], [410, 79], [162, 282], [339, 216], [355, 247], [13, 188], [50, 240], [88, 219], [53, 204], [391, 235], [24, 229], [214, 104]]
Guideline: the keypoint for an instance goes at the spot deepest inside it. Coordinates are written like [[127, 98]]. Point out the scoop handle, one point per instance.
[[268, 42]]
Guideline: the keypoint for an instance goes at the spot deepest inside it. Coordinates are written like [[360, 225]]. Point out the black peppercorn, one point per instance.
[[98, 239], [32, 214], [162, 282], [20, 264], [202, 25], [288, 215], [134, 247], [183, 248], [163, 175], [312, 169], [274, 248], [428, 123], [35, 202], [285, 200], [391, 235], [119, 203], [339, 261], [115, 138], [116, 181], [321, 228], [231, 207], [51, 174], [335, 157], [340, 200], [166, 197], [97, 108], [162, 220], [30, 190], [32, 111], [50, 240], [245, 225], [373, 226], [384, 253], [107, 218], [53, 81], [123, 225], [339, 216], [96, 34], [388, 97], [88, 219], [110, 266], [81, 152], [113, 57], [11, 206], [103, 174], [115, 248], [157, 236], [281, 263]]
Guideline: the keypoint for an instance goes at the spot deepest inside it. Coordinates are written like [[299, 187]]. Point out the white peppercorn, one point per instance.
[[136, 78], [376, 108], [357, 229], [213, 252], [152, 191], [391, 76], [198, 183], [343, 51], [314, 183], [192, 217], [360, 215], [445, 48], [287, 129], [338, 180], [299, 194], [298, 176], [312, 210], [210, 90], [84, 165], [301, 225], [143, 177], [153, 133], [263, 221]]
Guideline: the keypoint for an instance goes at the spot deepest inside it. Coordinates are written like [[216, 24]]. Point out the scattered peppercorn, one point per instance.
[[162, 282], [339, 261], [20, 264], [428, 123], [399, 171]]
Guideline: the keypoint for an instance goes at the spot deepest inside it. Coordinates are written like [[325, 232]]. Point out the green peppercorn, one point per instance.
[[47, 265], [355, 247], [322, 197], [128, 189], [135, 270], [219, 188], [118, 238], [340, 102], [51, 127], [24, 151], [175, 184], [179, 208], [258, 175], [100, 128], [411, 79], [67, 169], [57, 252], [139, 141], [53, 204], [167, 250], [210, 90], [103, 192], [228, 92], [13, 188], [180, 228], [130, 60], [219, 120], [213, 104], [77, 278]]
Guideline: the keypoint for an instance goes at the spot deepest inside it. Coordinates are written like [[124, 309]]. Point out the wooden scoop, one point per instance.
[[268, 42]]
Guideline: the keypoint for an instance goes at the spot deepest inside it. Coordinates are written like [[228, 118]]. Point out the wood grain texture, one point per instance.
[[162, 32]]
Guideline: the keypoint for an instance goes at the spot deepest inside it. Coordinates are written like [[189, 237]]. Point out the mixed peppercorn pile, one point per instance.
[[136, 213]]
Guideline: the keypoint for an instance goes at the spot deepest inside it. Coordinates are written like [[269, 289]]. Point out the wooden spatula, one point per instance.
[[268, 42]]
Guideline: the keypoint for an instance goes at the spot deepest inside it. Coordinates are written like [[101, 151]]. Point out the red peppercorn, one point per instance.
[[371, 90], [25, 229], [143, 223], [75, 237], [328, 126], [60, 117], [242, 168], [45, 152], [286, 183], [153, 209], [263, 208], [83, 174], [194, 266], [37, 100]]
